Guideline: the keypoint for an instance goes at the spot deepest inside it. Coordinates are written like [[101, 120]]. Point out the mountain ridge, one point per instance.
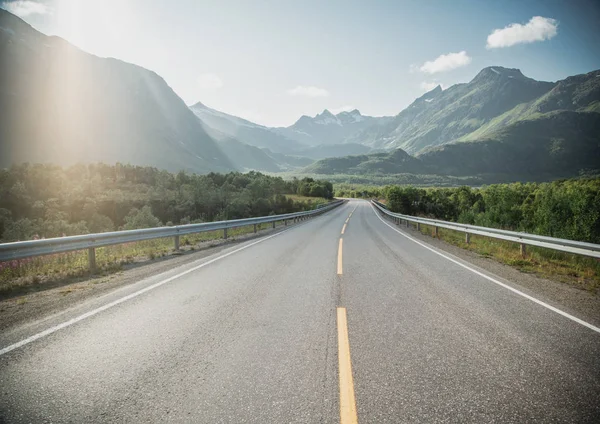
[[442, 116], [558, 144], [63, 105], [327, 128]]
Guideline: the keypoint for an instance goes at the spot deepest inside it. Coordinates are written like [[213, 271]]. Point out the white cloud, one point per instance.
[[25, 8], [446, 62], [210, 81], [308, 91], [345, 108], [537, 29], [413, 68]]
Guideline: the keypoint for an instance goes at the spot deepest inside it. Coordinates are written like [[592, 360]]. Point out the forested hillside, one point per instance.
[[50, 201], [552, 145], [566, 209]]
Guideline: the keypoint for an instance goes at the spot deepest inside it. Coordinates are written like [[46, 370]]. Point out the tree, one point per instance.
[[141, 218], [100, 224]]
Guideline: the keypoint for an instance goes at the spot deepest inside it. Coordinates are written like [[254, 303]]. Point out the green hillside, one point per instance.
[[548, 146]]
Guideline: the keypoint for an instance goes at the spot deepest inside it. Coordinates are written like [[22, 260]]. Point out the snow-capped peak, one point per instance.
[[326, 118], [351, 116]]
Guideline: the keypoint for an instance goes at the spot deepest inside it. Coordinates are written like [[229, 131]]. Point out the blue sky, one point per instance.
[[273, 61]]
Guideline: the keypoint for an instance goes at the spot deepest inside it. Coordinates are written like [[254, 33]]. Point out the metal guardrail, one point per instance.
[[524, 239], [32, 248]]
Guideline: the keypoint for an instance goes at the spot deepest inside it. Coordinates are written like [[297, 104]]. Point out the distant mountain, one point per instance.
[[249, 158], [272, 139], [579, 93], [289, 162], [246, 157], [394, 162], [441, 116], [327, 128], [554, 145], [334, 150], [245, 131], [62, 105]]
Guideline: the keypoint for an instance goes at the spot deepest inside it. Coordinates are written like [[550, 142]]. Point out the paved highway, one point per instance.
[[308, 325]]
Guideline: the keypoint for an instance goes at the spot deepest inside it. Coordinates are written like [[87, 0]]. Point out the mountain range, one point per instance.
[[327, 128], [62, 105], [459, 131]]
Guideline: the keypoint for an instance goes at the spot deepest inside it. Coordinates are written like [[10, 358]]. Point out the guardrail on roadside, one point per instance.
[[32, 248], [524, 239]]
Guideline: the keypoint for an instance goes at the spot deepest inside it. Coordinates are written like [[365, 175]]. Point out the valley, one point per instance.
[[500, 126]]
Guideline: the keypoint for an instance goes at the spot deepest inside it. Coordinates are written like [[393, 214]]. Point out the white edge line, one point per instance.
[[493, 280], [128, 297]]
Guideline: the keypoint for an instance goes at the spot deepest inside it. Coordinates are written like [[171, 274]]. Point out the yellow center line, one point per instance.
[[343, 228], [339, 269], [347, 399], [347, 219]]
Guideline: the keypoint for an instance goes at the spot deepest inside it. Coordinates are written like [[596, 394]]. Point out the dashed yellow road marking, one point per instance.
[[347, 399], [343, 228], [339, 267]]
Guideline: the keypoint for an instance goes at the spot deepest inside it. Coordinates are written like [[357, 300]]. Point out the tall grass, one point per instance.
[[580, 271]]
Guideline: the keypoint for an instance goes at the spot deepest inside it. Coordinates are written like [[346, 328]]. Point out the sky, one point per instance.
[[273, 61]]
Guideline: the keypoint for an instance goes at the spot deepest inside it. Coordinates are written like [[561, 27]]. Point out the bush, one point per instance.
[[566, 209], [141, 218], [50, 201]]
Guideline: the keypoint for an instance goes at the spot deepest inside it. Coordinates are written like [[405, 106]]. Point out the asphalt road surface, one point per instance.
[[308, 325]]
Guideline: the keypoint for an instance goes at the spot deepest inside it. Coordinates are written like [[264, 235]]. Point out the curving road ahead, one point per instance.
[[301, 327]]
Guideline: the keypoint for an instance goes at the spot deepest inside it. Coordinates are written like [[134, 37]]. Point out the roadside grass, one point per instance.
[[45, 272], [579, 271]]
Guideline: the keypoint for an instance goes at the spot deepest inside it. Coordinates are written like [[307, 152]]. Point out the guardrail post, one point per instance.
[[255, 228], [273, 224], [92, 259], [436, 232], [407, 223], [285, 221], [467, 238], [418, 226], [523, 250], [225, 233], [176, 242]]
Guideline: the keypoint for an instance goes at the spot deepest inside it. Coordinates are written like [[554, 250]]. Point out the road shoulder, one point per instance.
[[578, 302], [36, 306]]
